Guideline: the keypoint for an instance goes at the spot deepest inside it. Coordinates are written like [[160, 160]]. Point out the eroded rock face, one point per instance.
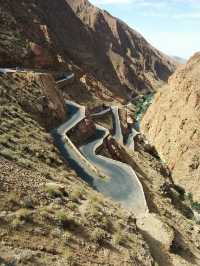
[[172, 125], [123, 58], [41, 57]]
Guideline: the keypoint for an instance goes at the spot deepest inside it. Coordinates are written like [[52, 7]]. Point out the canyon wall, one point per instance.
[[172, 125]]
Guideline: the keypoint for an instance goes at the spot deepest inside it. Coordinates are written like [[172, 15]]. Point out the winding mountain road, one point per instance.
[[23, 70], [77, 114], [69, 151], [121, 185], [118, 132]]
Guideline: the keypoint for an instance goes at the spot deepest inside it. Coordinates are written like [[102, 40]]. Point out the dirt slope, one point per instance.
[[172, 125]]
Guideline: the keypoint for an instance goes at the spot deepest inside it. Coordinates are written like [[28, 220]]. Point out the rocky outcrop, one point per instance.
[[36, 95], [40, 57], [82, 132], [172, 125]]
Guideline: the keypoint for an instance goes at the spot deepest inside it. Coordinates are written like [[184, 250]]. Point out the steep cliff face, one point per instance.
[[117, 56], [172, 125], [123, 58]]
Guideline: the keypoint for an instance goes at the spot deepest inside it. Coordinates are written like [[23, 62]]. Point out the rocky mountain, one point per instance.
[[172, 125], [50, 214], [125, 53], [99, 44]]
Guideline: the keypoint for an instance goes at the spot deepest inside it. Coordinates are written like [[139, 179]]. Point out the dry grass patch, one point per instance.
[[98, 235]]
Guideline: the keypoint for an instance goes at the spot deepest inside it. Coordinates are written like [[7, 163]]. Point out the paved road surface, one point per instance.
[[72, 155], [67, 77], [130, 141], [122, 184], [118, 136], [76, 112], [101, 113], [36, 71]]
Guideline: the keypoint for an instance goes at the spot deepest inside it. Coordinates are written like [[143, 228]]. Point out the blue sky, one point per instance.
[[173, 26]]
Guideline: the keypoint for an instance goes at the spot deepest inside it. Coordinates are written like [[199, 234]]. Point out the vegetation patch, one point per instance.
[[143, 104], [118, 238], [193, 204], [98, 235]]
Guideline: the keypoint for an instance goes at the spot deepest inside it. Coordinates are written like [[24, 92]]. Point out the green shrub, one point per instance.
[[28, 203], [61, 216], [196, 206], [142, 105], [4, 140], [189, 197], [16, 223], [95, 214], [95, 199], [72, 205], [193, 204], [8, 154]]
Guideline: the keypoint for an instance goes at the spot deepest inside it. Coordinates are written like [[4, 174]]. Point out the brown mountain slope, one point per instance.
[[105, 47], [172, 125], [48, 215], [136, 64]]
